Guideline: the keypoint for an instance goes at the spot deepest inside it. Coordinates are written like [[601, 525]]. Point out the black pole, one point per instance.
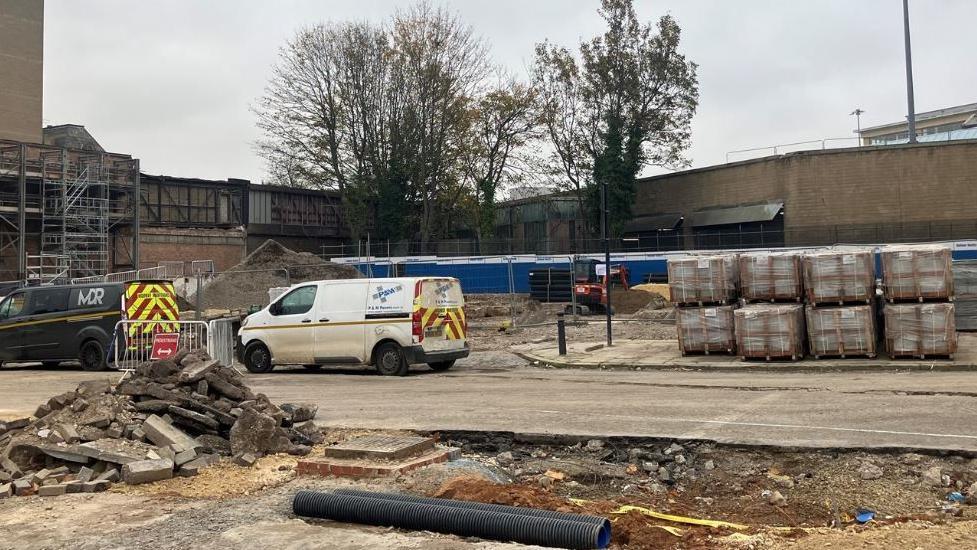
[[909, 73], [561, 334], [605, 231]]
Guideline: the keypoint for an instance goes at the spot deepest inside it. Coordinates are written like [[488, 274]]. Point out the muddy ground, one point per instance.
[[486, 335], [232, 507]]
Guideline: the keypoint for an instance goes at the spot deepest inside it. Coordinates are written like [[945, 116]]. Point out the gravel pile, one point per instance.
[[172, 417]]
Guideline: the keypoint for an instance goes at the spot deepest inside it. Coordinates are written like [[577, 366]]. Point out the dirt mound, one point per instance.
[[655, 309], [476, 489], [629, 301], [247, 283]]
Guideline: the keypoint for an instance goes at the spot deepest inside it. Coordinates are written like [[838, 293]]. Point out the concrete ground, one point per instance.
[[665, 355], [498, 391]]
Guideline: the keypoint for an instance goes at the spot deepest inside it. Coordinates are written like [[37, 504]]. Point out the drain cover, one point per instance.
[[381, 447]]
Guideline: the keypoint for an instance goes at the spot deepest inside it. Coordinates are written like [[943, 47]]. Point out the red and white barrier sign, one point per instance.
[[165, 344]]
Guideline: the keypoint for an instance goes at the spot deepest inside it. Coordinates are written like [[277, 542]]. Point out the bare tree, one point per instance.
[[625, 105], [506, 120]]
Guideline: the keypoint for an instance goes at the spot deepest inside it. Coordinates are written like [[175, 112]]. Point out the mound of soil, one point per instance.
[[629, 301], [247, 283]]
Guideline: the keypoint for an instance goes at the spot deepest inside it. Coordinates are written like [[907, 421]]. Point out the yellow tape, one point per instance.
[[668, 517]]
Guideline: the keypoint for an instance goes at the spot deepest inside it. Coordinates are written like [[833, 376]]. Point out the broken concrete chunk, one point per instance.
[[74, 486], [95, 486], [164, 434], [5, 477], [196, 371], [195, 417], [111, 475], [214, 444], [52, 490], [138, 435], [203, 388], [153, 406], [42, 410], [244, 459], [300, 412], [6, 490], [92, 388], [184, 457], [68, 432], [255, 433], [147, 471], [100, 421], [85, 474], [23, 487], [79, 405], [223, 387]]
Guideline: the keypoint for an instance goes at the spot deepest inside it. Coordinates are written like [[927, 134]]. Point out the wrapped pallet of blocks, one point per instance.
[[965, 293], [770, 331], [842, 331], [839, 277], [920, 330], [705, 329], [703, 280], [921, 272], [773, 277]]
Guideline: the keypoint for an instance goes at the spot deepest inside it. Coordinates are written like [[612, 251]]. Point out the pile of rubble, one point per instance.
[[172, 417]]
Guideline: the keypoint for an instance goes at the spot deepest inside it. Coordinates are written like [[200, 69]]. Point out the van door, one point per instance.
[[440, 305], [47, 332], [340, 333], [12, 311], [290, 336]]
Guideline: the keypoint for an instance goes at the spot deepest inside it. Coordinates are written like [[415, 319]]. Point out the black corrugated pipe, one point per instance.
[[465, 522], [518, 510]]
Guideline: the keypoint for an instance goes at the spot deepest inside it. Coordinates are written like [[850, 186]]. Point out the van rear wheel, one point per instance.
[[92, 356], [258, 359], [441, 366], [390, 361]]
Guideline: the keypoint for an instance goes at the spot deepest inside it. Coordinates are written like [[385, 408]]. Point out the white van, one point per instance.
[[389, 323]]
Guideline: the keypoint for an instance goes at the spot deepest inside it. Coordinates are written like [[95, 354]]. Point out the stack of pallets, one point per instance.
[[703, 290], [965, 294], [840, 312], [917, 282]]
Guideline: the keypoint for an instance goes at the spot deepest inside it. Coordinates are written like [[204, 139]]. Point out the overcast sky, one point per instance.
[[170, 82]]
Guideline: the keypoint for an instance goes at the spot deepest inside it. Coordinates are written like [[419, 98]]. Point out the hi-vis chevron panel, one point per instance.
[[440, 303], [154, 301]]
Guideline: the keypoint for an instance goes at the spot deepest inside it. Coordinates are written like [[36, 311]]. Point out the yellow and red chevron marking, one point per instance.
[[151, 302], [453, 320]]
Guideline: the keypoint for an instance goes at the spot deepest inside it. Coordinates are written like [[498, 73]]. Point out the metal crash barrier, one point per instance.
[[220, 341]]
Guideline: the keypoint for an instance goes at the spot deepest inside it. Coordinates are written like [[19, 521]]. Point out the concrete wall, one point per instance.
[[928, 185], [21, 69]]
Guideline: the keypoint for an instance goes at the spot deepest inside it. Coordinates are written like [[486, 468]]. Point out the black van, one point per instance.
[[52, 324]]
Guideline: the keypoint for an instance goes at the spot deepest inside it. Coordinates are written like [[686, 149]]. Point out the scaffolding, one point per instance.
[[78, 199]]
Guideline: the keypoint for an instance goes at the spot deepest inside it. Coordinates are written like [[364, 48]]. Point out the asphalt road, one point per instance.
[[495, 391]]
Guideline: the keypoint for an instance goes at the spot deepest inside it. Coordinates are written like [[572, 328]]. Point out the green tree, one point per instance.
[[625, 104]]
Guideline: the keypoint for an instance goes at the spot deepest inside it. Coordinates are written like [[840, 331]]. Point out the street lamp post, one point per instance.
[[909, 73], [857, 113], [605, 233]]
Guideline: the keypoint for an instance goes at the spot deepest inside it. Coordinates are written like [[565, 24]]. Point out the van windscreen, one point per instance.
[[441, 293]]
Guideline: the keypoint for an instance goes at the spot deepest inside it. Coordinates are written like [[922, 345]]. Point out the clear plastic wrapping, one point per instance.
[[965, 279], [705, 329], [770, 331], [839, 276], [771, 276], [919, 330], [841, 331], [913, 272], [703, 279]]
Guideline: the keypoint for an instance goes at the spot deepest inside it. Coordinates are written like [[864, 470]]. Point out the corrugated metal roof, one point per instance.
[[653, 223], [737, 214]]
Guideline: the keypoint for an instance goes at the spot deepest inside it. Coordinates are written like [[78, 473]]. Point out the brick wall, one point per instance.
[[225, 246], [21, 69], [919, 186]]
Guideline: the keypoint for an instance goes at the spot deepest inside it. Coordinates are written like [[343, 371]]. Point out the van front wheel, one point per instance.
[[92, 356], [258, 359], [389, 360], [441, 366]]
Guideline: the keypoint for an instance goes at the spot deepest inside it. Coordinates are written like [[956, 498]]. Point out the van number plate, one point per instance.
[[434, 331]]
